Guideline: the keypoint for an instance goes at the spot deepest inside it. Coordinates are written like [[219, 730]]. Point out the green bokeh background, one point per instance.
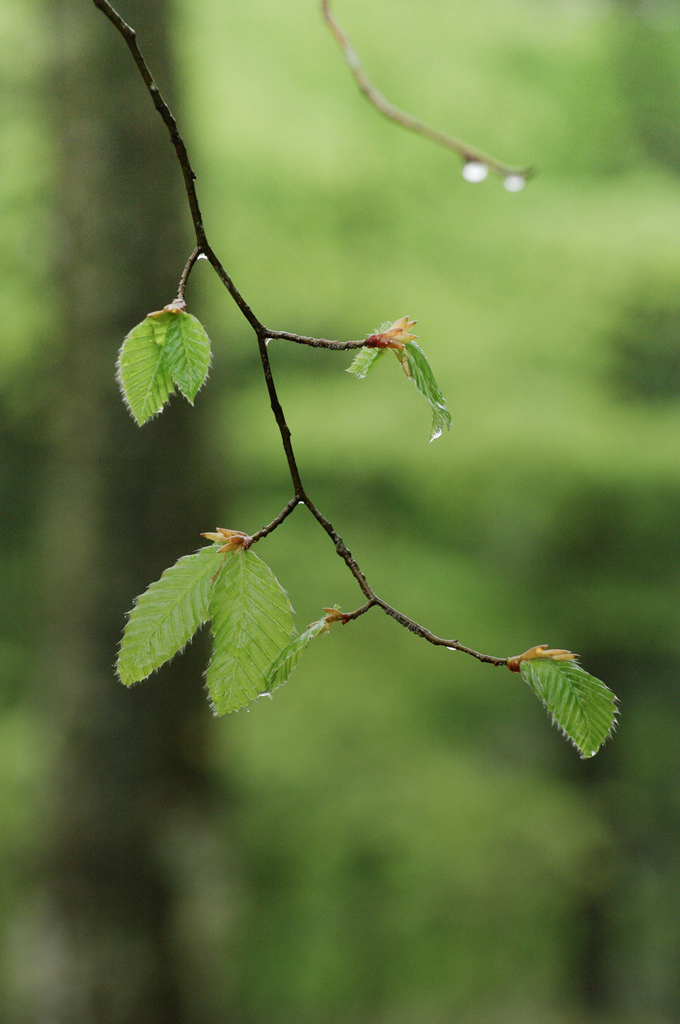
[[399, 837]]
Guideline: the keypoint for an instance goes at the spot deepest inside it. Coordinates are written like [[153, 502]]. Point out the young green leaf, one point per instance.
[[167, 615], [580, 705], [283, 666], [415, 363], [365, 360], [187, 352], [423, 378], [251, 624], [142, 371]]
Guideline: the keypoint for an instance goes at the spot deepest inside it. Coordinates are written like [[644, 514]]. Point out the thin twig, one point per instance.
[[185, 273], [130, 37], [406, 120], [284, 429], [301, 339], [203, 248], [283, 514], [453, 645], [349, 616]]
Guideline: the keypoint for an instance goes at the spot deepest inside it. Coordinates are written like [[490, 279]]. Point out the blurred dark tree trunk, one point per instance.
[[118, 505]]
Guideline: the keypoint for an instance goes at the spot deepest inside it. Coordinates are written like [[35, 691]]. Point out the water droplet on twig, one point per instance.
[[474, 171], [514, 183]]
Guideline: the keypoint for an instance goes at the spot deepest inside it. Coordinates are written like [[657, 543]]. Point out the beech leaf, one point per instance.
[[252, 623], [417, 368], [142, 371], [187, 352], [282, 667], [167, 615], [364, 361], [581, 705], [423, 378]]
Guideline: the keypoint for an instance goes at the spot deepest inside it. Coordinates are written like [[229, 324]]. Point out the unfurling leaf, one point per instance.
[[229, 540], [251, 624], [167, 615], [580, 705], [414, 363], [283, 666], [166, 349], [392, 335], [365, 360], [423, 378]]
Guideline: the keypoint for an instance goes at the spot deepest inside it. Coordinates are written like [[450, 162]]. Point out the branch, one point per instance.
[[283, 514], [373, 601], [196, 254], [130, 37], [203, 248], [301, 339], [514, 177]]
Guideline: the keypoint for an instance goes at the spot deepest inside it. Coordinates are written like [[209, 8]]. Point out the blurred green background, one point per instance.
[[399, 837]]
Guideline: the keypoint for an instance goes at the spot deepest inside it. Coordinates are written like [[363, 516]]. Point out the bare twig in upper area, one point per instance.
[[514, 176]]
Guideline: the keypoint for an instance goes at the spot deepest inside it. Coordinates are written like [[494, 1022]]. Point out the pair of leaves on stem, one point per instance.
[[255, 647], [167, 349]]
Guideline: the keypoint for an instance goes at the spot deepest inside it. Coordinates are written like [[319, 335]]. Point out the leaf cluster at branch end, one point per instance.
[[167, 349], [254, 644], [414, 364]]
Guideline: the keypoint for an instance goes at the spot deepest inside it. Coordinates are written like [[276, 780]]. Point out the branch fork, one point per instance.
[[394, 336]]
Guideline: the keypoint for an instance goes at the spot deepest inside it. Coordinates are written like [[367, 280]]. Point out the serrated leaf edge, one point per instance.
[[562, 667], [158, 367], [178, 650], [262, 677], [297, 646]]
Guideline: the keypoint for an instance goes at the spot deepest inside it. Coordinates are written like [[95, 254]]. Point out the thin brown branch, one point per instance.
[[283, 514], [202, 245], [340, 546], [301, 339], [374, 601], [280, 418], [226, 280], [453, 645], [350, 616], [263, 335], [185, 273], [130, 37], [468, 153]]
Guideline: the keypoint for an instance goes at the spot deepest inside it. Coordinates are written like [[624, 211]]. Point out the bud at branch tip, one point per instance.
[[542, 651]]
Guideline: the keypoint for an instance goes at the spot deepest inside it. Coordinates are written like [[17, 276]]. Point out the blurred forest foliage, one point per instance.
[[398, 837]]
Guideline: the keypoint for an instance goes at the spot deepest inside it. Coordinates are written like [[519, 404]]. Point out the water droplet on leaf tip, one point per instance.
[[474, 171], [514, 183]]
